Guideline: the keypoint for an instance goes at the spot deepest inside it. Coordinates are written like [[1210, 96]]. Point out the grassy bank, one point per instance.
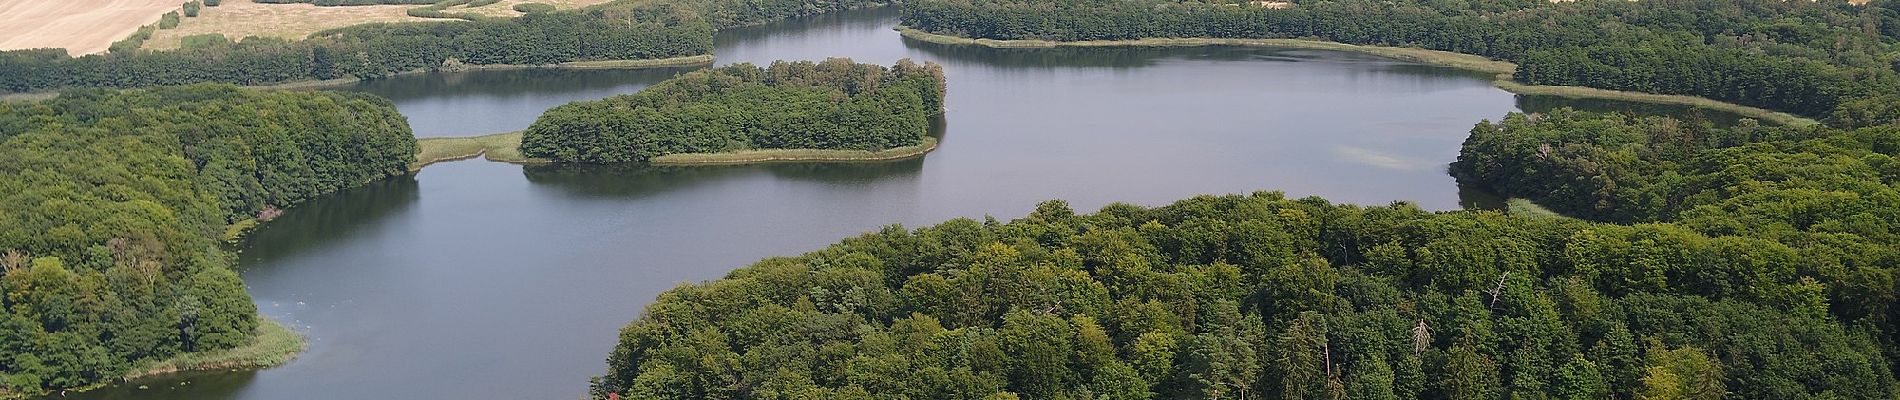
[[1502, 69], [273, 346], [1579, 92], [797, 155], [236, 230], [502, 147], [505, 147], [1526, 207]]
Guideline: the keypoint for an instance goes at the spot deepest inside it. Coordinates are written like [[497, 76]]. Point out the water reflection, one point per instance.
[[630, 181], [331, 218]]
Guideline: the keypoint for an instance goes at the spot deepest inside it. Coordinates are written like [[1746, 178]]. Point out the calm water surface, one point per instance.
[[477, 280]]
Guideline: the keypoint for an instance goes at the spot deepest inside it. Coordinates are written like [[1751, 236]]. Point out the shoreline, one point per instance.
[[686, 61], [797, 155], [505, 148], [1501, 69], [273, 345]]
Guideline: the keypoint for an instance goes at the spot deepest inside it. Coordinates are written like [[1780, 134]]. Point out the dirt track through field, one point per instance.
[[80, 26]]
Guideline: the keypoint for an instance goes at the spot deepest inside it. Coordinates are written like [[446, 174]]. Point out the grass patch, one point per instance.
[[236, 230], [797, 155], [203, 40], [502, 147], [35, 96], [274, 345], [1526, 207], [1503, 69], [1762, 114]]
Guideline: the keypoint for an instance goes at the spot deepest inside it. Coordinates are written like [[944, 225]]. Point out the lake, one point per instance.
[[483, 280]]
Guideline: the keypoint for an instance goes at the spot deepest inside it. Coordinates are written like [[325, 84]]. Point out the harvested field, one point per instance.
[[237, 19], [81, 27]]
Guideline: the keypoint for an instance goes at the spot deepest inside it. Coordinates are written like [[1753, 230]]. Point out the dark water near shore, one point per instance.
[[476, 280]]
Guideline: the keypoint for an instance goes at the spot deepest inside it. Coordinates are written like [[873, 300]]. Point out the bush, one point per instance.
[[191, 8], [528, 8], [434, 10], [133, 42], [170, 20], [201, 41], [211, 3], [479, 3]]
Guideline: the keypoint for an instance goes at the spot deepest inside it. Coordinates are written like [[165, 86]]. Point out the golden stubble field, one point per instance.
[[237, 19], [80, 26]]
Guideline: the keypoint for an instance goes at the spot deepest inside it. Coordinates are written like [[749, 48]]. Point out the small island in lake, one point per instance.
[[835, 110]]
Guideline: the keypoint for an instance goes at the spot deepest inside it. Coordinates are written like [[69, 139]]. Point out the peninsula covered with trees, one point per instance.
[[1265, 297], [800, 105], [1744, 261], [112, 204], [1803, 57]]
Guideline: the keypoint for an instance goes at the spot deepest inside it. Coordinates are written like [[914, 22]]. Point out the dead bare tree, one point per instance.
[[1421, 337], [1498, 292], [13, 260]]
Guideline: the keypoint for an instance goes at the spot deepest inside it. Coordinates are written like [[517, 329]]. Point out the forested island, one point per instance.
[[767, 113], [623, 31], [112, 205], [1812, 58]]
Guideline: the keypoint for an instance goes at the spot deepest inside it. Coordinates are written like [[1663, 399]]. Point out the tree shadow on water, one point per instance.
[[330, 218]]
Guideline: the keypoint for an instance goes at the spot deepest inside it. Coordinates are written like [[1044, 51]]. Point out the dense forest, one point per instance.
[[1265, 297], [1761, 180], [836, 104], [1797, 56], [112, 202], [621, 30]]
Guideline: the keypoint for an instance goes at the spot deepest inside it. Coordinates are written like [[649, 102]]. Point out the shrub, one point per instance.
[[134, 41], [206, 40], [191, 8], [170, 20], [527, 8]]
